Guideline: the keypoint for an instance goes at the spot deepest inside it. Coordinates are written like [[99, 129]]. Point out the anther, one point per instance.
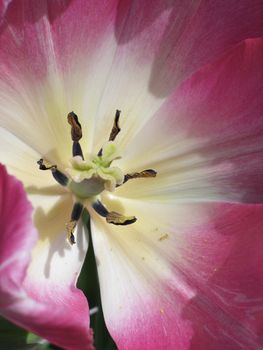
[[76, 131], [115, 129], [76, 134], [118, 219], [142, 174], [45, 165], [112, 217], [75, 216], [57, 174]]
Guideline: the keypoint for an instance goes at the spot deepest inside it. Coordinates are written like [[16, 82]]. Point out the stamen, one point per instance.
[[76, 150], [76, 134], [115, 129], [45, 165], [112, 217], [61, 178], [75, 216], [70, 228], [142, 174], [100, 209], [118, 219], [88, 179]]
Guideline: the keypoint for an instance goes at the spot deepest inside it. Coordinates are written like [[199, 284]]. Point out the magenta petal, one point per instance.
[[226, 312], [184, 36], [174, 37], [223, 104], [184, 277], [62, 317], [198, 33], [36, 35]]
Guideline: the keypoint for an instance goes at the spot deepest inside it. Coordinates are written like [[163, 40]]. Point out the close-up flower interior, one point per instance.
[[131, 174]]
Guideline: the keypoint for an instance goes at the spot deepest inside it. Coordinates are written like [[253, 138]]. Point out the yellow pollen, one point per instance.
[[163, 237]]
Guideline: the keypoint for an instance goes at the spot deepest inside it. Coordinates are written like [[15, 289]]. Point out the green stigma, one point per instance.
[[90, 177]]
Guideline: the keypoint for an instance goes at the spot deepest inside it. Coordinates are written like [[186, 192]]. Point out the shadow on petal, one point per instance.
[[147, 13], [30, 12], [46, 191], [51, 226]]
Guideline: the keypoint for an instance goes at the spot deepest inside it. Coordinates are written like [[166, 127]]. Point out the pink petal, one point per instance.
[[181, 37], [183, 276], [43, 31], [210, 134], [56, 312]]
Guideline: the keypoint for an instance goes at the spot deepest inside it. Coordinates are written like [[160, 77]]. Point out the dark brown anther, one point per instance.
[[61, 178], [70, 227], [72, 239], [76, 132], [75, 216], [142, 174], [112, 217], [119, 219], [44, 165], [115, 129]]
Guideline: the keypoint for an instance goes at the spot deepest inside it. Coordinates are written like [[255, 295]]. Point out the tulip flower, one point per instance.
[[149, 115]]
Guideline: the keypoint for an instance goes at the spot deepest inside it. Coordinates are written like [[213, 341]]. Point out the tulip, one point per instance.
[[149, 115]]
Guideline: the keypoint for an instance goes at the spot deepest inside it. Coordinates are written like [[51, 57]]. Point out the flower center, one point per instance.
[[91, 177], [86, 179]]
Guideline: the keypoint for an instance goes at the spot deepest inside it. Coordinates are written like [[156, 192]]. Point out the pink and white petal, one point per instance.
[[161, 44], [205, 142], [46, 300], [75, 66], [53, 65], [183, 276], [104, 60], [49, 51]]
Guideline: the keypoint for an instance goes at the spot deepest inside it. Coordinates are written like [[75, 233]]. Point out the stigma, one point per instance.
[[87, 179], [91, 177]]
